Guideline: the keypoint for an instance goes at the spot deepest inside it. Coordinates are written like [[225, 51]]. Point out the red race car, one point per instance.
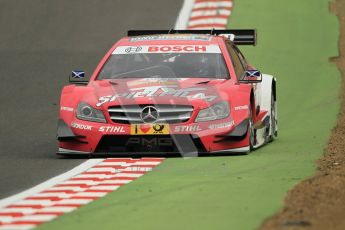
[[169, 92]]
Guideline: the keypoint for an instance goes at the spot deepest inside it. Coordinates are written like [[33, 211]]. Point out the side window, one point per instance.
[[236, 61], [242, 58]]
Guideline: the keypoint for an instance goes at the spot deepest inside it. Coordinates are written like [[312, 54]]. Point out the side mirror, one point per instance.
[[251, 76], [78, 77]]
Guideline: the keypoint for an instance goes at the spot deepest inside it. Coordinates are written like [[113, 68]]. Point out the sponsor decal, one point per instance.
[[163, 49], [69, 109], [149, 129], [222, 125], [81, 126], [171, 37], [111, 129], [159, 91], [149, 141], [241, 107], [154, 82], [167, 49], [187, 128], [133, 49]]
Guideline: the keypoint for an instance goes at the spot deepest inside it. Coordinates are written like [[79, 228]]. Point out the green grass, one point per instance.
[[296, 38]]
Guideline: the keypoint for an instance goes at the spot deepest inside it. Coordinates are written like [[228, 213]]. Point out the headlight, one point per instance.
[[218, 111], [86, 112]]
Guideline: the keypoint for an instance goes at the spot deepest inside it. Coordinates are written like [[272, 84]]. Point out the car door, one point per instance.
[[241, 65]]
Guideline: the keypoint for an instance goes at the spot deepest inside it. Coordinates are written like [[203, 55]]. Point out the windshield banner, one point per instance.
[[167, 49]]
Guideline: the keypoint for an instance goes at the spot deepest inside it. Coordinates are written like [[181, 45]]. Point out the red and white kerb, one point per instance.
[[206, 14], [64, 197]]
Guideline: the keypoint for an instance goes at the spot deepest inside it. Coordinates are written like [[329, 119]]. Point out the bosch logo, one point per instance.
[[149, 114], [133, 49]]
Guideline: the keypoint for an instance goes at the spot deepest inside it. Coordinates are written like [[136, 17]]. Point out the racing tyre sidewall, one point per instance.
[[251, 130], [272, 118]]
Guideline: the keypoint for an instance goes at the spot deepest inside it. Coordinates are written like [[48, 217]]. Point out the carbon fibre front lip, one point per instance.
[[63, 151], [235, 150]]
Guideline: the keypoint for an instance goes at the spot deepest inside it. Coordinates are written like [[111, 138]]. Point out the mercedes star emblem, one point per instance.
[[149, 114]]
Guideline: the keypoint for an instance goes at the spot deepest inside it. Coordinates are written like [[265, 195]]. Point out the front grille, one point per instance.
[[155, 144], [131, 114]]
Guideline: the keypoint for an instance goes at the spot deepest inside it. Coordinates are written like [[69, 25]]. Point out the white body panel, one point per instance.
[[264, 92]]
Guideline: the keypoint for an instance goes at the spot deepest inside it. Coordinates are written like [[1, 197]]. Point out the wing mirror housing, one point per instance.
[[78, 77], [251, 76]]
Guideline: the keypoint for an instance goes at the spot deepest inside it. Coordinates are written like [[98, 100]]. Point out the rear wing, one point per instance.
[[239, 37]]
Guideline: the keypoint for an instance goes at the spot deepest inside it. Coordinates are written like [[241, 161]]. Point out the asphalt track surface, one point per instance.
[[40, 43]]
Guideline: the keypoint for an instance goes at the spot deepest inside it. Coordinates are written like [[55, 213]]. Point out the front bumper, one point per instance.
[[90, 138]]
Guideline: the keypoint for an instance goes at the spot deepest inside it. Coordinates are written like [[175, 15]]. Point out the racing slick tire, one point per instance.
[[251, 130], [273, 120]]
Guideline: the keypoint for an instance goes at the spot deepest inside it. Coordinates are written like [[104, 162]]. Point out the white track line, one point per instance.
[[50, 183], [183, 17]]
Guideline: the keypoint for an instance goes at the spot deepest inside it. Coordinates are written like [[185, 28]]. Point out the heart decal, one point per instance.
[[145, 128]]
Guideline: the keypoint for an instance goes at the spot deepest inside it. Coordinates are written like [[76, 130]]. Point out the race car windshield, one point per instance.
[[164, 65]]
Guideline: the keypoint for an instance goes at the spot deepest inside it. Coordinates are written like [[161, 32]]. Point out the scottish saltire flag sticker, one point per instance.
[[253, 73], [78, 74]]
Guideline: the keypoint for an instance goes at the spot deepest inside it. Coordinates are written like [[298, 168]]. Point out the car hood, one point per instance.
[[186, 91]]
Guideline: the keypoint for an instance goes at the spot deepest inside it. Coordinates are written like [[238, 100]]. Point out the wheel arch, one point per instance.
[[269, 88]]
